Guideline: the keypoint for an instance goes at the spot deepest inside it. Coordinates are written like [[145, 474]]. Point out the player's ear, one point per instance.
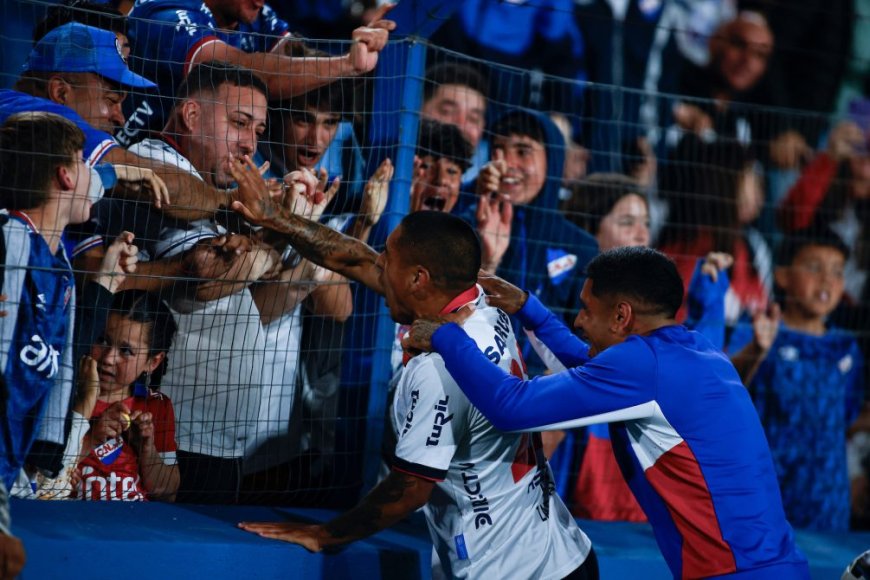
[[623, 317], [422, 278], [190, 114]]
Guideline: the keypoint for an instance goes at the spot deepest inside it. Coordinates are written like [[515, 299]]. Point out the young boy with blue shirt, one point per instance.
[[805, 378]]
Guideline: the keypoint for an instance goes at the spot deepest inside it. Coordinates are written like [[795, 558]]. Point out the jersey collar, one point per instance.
[[25, 219], [462, 300]]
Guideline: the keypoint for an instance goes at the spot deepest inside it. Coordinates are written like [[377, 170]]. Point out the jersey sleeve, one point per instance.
[[169, 39], [605, 389], [706, 302], [273, 27], [433, 423], [547, 331], [164, 428]]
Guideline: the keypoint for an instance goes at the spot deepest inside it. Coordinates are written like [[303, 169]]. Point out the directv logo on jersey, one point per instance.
[[441, 419], [40, 355], [479, 502]]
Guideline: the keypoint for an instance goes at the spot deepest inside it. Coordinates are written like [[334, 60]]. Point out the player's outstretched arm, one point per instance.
[[393, 499], [605, 389], [316, 242]]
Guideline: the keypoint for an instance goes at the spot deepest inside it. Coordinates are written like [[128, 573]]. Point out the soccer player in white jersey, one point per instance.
[[487, 495]]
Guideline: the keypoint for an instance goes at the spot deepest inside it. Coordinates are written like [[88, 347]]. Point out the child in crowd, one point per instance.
[[806, 380], [129, 452]]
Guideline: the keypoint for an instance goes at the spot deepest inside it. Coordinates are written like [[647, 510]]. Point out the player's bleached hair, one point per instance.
[[638, 273], [32, 146], [443, 244]]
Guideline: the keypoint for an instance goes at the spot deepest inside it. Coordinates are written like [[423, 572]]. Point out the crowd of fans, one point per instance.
[[196, 357]]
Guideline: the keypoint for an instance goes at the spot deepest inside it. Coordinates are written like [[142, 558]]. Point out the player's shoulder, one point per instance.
[[12, 102], [162, 151]]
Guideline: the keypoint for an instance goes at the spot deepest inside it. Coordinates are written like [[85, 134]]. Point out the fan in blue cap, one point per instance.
[[76, 48]]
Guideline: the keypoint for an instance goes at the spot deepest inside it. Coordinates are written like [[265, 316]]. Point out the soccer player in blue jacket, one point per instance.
[[685, 432]]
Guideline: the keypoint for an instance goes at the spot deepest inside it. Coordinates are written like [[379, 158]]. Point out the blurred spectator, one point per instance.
[[813, 40], [313, 130], [455, 93], [129, 452], [834, 190], [86, 86], [534, 38], [546, 253], [635, 51], [805, 378], [715, 195], [171, 36], [611, 207], [856, 80], [44, 183], [739, 53], [576, 156]]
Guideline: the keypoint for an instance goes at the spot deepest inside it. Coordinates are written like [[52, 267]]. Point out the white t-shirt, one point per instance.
[[494, 512], [215, 366], [279, 394]]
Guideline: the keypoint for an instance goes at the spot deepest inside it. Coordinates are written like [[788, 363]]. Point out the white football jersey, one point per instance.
[[493, 512]]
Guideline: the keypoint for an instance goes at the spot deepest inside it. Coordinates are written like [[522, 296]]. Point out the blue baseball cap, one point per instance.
[[75, 47]]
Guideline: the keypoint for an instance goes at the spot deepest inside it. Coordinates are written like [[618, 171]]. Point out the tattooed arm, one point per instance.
[[393, 499], [320, 244]]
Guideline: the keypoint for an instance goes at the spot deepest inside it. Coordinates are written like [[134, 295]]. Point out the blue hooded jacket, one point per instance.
[[547, 254]]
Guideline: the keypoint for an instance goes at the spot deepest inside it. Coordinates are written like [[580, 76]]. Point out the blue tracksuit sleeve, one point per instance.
[[605, 389], [552, 332], [706, 303]]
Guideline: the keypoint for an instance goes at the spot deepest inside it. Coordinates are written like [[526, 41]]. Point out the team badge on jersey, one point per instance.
[[559, 264], [109, 451]]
